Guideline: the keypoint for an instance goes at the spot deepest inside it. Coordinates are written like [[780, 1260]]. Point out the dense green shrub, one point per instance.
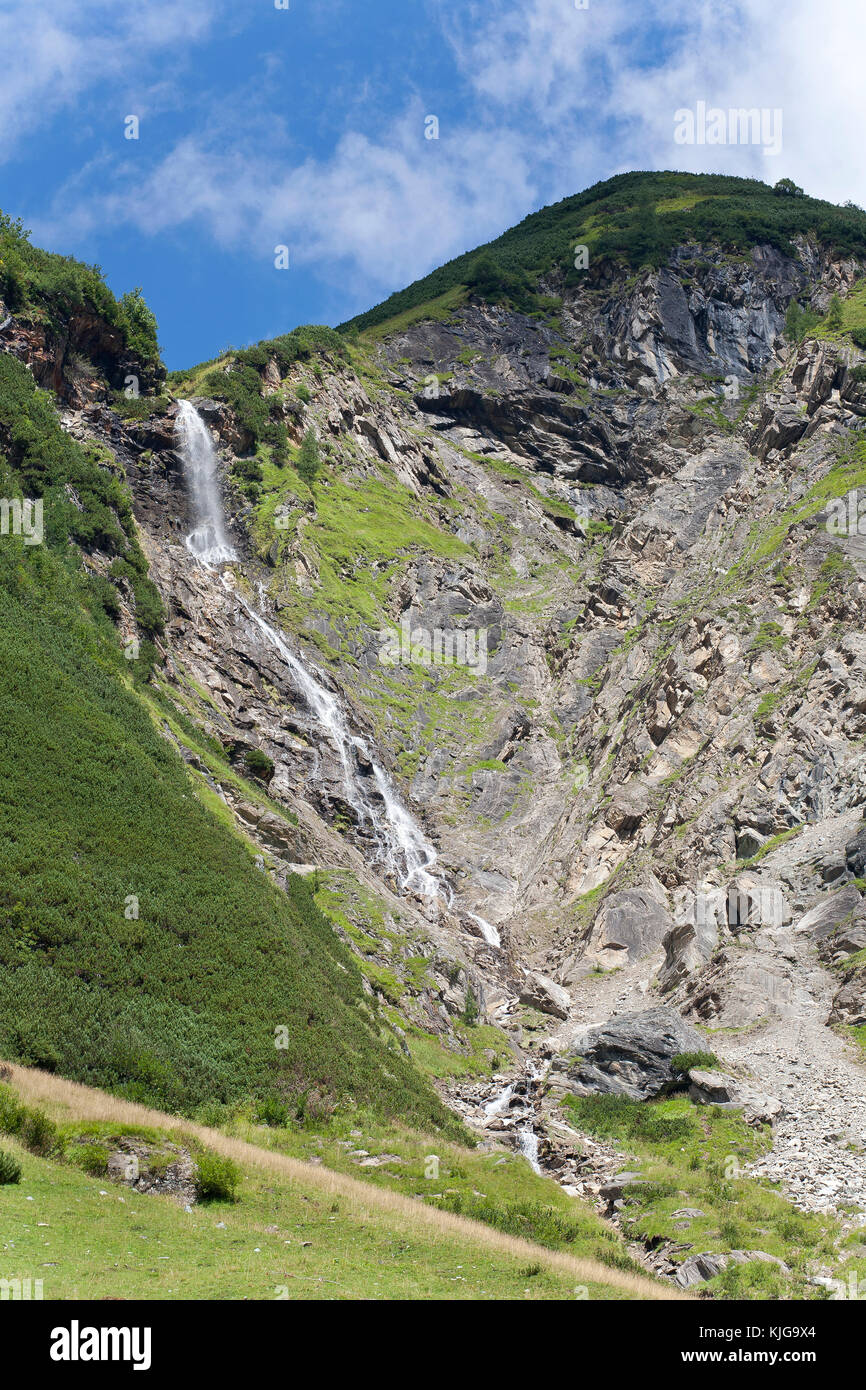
[[52, 288], [308, 461], [139, 324], [10, 1169], [248, 475], [619, 1117], [237, 380], [259, 764], [273, 1112], [217, 1178], [90, 1158], [835, 315], [149, 609], [800, 322], [298, 346], [11, 1111], [42, 461], [787, 188], [472, 1011], [499, 285], [38, 1133], [139, 407], [683, 1062], [240, 386], [32, 1126], [276, 436]]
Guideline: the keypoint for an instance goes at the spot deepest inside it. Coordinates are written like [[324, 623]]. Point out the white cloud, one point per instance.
[[556, 98], [543, 56], [592, 73], [54, 53], [377, 211]]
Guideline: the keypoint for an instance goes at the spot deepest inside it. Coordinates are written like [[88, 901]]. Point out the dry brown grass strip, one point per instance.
[[85, 1103]]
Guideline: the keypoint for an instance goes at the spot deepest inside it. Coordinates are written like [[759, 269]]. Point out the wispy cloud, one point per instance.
[[54, 54], [554, 98], [618, 73], [374, 210]]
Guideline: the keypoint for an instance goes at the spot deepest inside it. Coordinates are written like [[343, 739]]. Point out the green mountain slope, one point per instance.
[[140, 948], [636, 218]]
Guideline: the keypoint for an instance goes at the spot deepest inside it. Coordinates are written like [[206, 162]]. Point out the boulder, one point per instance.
[[738, 989], [614, 1188], [698, 1268], [837, 924], [753, 902], [749, 841], [123, 1166], [849, 1002], [632, 922], [855, 854], [711, 1087], [687, 947], [627, 1056], [717, 1088], [628, 806], [546, 995], [758, 1108]]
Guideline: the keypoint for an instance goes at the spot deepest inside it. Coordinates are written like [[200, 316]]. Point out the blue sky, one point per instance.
[[262, 126]]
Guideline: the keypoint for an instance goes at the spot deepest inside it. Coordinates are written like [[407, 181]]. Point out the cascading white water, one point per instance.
[[527, 1138], [527, 1135], [402, 846], [500, 1102], [207, 541], [529, 1147], [488, 931]]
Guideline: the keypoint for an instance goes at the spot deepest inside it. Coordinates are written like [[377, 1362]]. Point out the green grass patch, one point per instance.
[[695, 1157], [773, 843], [282, 1240]]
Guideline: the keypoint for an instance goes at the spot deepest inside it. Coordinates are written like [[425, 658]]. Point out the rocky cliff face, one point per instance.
[[652, 785]]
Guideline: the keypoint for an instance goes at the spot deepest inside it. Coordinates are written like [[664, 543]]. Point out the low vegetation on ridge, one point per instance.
[[635, 219]]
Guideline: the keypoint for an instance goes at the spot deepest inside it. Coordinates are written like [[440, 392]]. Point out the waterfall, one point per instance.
[[207, 541], [500, 1102], [529, 1147], [402, 846], [527, 1139], [488, 931], [527, 1135]]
